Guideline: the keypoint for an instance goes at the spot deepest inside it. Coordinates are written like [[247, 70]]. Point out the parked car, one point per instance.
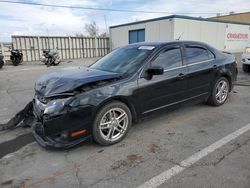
[[246, 59], [1, 61], [74, 104]]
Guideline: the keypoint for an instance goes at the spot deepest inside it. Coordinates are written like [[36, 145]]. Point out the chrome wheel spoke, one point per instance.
[[121, 128], [121, 117], [223, 86], [110, 115], [109, 133], [218, 94], [112, 133], [113, 114], [220, 97], [105, 125]]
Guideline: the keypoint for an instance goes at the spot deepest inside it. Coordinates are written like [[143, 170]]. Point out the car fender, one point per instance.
[[123, 99], [222, 71]]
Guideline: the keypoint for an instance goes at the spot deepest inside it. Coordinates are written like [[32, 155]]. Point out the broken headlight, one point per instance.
[[54, 107]]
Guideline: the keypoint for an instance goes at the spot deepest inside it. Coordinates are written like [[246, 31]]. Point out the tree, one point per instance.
[[79, 35], [92, 29], [103, 35]]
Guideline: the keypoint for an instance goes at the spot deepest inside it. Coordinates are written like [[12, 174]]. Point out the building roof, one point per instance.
[[240, 17], [181, 17]]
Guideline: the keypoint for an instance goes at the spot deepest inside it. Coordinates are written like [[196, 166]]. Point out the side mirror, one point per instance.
[[155, 70]]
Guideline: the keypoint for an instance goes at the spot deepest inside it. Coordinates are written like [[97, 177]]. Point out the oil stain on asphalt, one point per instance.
[[131, 161]]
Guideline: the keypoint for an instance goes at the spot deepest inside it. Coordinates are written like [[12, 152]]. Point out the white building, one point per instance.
[[224, 35]]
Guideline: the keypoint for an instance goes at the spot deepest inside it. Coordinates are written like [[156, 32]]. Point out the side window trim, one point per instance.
[[200, 46], [185, 45], [166, 70], [169, 48], [214, 57], [200, 62]]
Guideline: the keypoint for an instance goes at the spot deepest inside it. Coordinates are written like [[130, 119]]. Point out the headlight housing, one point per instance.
[[54, 107]]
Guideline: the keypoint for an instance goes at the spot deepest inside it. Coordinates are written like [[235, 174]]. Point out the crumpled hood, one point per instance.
[[67, 79]]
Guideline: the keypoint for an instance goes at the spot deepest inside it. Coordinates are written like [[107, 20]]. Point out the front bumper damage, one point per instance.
[[50, 142], [57, 131]]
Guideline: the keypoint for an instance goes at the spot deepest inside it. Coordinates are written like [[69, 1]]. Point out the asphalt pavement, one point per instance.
[[193, 146]]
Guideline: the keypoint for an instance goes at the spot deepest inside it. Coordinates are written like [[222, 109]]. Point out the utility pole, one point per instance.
[[106, 24]]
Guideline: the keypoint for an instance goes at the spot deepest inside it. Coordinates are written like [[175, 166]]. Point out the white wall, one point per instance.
[[213, 33], [161, 30]]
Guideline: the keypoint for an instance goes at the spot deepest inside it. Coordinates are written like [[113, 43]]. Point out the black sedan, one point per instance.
[[74, 104]]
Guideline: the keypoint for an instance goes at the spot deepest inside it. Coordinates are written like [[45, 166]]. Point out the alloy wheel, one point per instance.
[[221, 91], [113, 124]]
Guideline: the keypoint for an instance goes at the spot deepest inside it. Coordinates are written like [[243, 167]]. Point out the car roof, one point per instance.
[[163, 43]]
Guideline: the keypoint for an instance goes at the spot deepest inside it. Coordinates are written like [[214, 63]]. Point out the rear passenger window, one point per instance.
[[169, 58], [210, 55], [196, 54]]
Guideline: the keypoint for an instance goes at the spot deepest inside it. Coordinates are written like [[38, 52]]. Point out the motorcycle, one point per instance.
[[16, 56], [50, 57], [1, 61]]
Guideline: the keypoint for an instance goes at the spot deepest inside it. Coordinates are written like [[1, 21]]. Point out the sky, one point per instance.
[[16, 19]]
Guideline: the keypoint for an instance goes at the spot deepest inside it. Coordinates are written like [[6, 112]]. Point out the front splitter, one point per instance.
[[48, 142]]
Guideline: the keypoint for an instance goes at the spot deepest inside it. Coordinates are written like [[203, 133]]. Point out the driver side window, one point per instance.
[[169, 58]]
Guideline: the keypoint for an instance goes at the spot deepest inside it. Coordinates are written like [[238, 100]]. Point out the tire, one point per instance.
[[246, 68], [112, 132], [49, 62], [15, 62], [1, 63], [215, 98], [56, 62]]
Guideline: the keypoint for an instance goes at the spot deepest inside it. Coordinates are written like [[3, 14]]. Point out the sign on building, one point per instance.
[[236, 37]]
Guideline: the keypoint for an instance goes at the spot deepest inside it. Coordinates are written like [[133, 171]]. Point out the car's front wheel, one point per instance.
[[112, 123], [246, 68], [220, 92]]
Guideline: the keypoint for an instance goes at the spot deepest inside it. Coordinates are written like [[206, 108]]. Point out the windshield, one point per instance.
[[126, 60]]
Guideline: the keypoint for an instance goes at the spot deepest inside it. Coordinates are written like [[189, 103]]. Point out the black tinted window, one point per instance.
[[210, 55], [196, 54], [124, 60], [169, 58]]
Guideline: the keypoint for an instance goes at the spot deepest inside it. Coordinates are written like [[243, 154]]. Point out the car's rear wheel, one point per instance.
[[112, 123], [246, 68], [220, 92]]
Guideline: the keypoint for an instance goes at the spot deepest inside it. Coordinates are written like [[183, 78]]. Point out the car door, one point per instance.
[[167, 89], [200, 63]]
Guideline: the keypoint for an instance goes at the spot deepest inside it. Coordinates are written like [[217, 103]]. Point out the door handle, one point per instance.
[[181, 76]]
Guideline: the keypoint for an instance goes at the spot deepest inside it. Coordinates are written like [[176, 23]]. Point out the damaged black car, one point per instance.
[[72, 105]]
